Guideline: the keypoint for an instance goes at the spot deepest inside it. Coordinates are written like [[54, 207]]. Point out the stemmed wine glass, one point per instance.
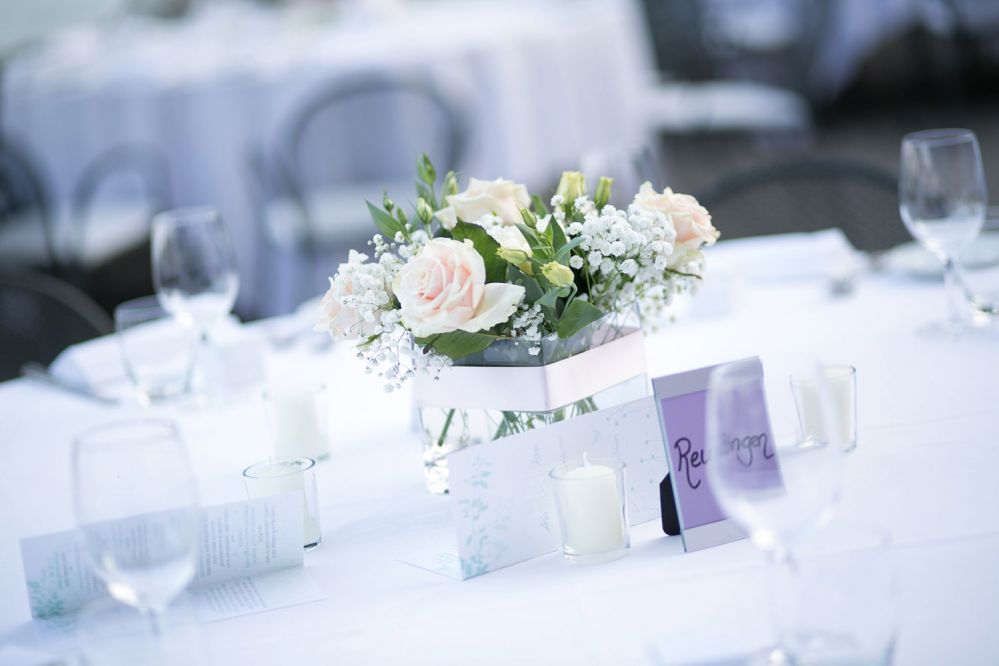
[[136, 512], [770, 478], [194, 268], [942, 199]]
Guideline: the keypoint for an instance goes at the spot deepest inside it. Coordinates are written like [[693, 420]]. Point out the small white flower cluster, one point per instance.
[[526, 325], [395, 358], [626, 255], [363, 308]]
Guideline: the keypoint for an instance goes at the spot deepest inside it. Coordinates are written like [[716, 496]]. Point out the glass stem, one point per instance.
[[956, 303]]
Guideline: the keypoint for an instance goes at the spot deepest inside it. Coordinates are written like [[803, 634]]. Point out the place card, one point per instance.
[[240, 545], [503, 510], [689, 503]]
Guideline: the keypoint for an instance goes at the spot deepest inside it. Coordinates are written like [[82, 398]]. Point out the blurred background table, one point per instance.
[[925, 469], [537, 87]]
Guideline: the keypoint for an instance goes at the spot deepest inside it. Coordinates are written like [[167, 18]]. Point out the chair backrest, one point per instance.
[[362, 127], [23, 200], [40, 316], [810, 195], [141, 163]]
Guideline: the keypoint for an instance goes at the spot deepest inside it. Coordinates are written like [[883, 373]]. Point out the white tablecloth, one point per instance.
[[927, 468], [545, 83]]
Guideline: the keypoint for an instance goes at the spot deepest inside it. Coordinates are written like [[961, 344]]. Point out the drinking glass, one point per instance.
[[157, 351], [136, 511], [768, 476], [942, 200], [836, 599], [775, 481], [194, 268]]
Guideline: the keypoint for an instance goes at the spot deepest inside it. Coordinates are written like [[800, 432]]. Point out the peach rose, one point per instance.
[[502, 198], [691, 220], [444, 289]]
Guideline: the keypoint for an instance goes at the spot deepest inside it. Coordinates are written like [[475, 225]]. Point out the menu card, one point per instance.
[[249, 559]]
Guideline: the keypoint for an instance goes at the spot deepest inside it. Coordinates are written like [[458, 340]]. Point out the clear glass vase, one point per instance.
[[445, 430]]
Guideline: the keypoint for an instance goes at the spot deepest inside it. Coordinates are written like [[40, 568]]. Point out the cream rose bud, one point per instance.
[[557, 274], [444, 289], [571, 186], [502, 198], [690, 219]]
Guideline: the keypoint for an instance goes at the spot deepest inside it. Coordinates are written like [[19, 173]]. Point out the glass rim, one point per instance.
[[302, 465], [166, 427], [186, 215], [841, 370], [941, 137], [558, 472], [142, 303]]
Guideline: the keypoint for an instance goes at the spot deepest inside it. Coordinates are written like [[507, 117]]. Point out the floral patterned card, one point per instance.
[[501, 494]]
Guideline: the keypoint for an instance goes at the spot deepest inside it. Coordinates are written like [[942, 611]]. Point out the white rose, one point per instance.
[[502, 198], [690, 219], [510, 238], [444, 289], [339, 312]]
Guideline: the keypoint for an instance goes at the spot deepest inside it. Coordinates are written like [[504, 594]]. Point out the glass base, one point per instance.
[[955, 330], [112, 633], [596, 558]]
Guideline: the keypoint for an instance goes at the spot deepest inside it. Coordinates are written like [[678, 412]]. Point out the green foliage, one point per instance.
[[486, 246], [576, 315], [458, 344], [387, 225]]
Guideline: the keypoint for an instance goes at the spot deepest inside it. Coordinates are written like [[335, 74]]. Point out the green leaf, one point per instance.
[[458, 344], [577, 315], [486, 246], [549, 299], [558, 235], [563, 252], [540, 209], [387, 225], [529, 234], [532, 290]]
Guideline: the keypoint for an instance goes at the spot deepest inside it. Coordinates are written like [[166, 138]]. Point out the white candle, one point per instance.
[[590, 508], [286, 476], [840, 387], [296, 425]]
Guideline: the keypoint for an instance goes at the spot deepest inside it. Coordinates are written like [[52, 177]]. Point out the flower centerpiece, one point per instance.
[[508, 298]]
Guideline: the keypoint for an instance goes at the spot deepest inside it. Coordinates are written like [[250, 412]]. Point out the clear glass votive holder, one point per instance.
[[841, 384], [592, 508], [275, 477], [157, 351], [297, 417]]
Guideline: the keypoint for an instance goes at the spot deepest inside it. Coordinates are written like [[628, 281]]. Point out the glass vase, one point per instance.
[[446, 429]]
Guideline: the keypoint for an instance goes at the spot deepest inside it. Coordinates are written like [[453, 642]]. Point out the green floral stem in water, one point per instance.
[[446, 427]]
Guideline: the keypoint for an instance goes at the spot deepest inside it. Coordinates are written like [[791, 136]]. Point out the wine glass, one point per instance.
[[194, 268], [136, 511], [775, 481], [942, 200]]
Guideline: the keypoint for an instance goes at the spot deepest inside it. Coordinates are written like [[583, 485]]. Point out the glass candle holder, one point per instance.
[[592, 509], [275, 477], [158, 353], [841, 384], [297, 420]]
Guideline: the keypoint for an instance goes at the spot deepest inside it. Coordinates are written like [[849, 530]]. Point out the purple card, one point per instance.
[[681, 399]]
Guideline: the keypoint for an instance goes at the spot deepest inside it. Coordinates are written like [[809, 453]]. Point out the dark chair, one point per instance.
[[809, 195], [40, 316], [27, 234], [107, 244], [343, 144]]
